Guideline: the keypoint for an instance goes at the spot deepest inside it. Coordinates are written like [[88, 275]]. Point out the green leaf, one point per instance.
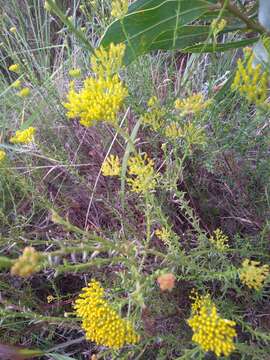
[[206, 48], [154, 21]]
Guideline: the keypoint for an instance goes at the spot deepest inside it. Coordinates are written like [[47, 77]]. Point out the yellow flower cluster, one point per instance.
[[13, 29], [16, 84], [24, 92], [100, 322], [251, 81], [142, 174], [219, 240], [27, 263], [102, 96], [119, 8], [210, 330], [218, 25], [2, 155], [23, 136], [107, 62], [15, 68], [252, 274], [75, 73], [192, 105], [191, 133], [111, 166], [154, 117], [164, 234]]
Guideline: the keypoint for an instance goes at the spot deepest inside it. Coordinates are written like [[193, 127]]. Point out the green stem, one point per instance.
[[251, 24]]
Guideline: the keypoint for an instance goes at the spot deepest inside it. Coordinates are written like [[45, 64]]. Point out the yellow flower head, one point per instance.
[[154, 118], [23, 136], [251, 81], [219, 240], [75, 73], [152, 102], [2, 155], [192, 105], [15, 68], [142, 177], [13, 29], [164, 234], [111, 166], [108, 62], [24, 92], [99, 100], [16, 84], [102, 96], [252, 274], [173, 131], [210, 330], [100, 321], [27, 263], [119, 8], [218, 25]]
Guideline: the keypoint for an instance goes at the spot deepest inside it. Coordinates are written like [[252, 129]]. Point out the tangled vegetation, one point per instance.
[[134, 178]]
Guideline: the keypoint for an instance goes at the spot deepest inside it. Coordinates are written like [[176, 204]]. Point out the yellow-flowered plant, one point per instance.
[[164, 234], [16, 84], [15, 68], [100, 321], [2, 155], [27, 264], [173, 131], [142, 177], [210, 331], [13, 29], [192, 105], [107, 62], [111, 166], [252, 274], [24, 92], [219, 240], [193, 134], [155, 115], [217, 25], [119, 8], [23, 136], [75, 73], [102, 96], [251, 81]]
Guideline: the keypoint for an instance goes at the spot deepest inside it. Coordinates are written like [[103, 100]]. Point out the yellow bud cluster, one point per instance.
[[24, 92], [75, 73], [27, 263], [192, 105], [2, 155], [15, 68], [111, 166], [218, 25], [210, 331], [142, 177], [119, 8], [13, 29], [173, 131], [252, 274], [99, 100], [100, 321], [164, 234], [152, 102], [154, 117], [102, 96], [23, 136], [16, 84], [106, 63], [219, 240], [251, 81]]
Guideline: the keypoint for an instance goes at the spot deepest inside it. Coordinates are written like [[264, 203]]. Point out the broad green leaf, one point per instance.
[[140, 29]]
